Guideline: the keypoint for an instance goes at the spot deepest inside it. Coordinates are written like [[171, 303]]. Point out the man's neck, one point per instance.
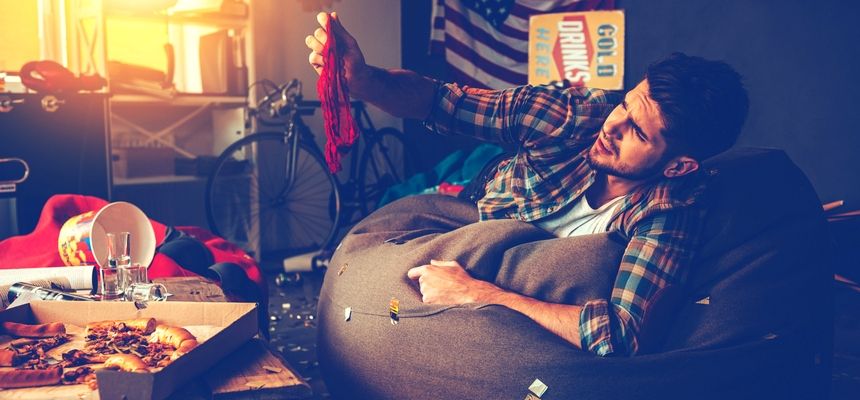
[[607, 187]]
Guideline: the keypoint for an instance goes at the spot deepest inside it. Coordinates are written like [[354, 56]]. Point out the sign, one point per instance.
[[584, 48]]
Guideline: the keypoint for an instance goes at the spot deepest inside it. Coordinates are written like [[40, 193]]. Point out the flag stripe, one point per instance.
[[485, 79], [478, 20], [502, 73], [487, 51], [514, 38], [525, 11], [463, 28]]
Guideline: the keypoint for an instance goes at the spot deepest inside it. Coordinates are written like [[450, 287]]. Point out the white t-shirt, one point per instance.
[[578, 218]]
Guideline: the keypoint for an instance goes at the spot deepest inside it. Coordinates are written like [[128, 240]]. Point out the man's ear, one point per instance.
[[680, 166]]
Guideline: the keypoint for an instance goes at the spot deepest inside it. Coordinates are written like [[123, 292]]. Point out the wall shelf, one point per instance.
[[157, 180], [180, 99]]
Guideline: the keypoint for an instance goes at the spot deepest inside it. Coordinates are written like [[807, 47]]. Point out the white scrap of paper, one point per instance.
[[538, 388]]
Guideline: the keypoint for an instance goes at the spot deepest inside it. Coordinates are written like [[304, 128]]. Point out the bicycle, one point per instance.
[[271, 192]]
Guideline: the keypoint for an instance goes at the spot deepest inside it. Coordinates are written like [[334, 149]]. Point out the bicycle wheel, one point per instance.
[[384, 162], [250, 203]]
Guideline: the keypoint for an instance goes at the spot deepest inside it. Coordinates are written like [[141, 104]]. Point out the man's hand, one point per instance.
[[446, 282], [353, 59], [401, 93]]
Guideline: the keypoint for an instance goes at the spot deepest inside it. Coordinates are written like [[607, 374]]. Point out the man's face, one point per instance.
[[631, 144]]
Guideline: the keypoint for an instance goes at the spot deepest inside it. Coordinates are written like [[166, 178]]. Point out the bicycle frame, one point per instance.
[[288, 104], [285, 106]]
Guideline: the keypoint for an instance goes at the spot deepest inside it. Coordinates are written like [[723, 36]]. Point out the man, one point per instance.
[[588, 161]]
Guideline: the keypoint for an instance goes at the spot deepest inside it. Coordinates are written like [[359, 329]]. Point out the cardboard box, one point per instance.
[[239, 322], [584, 48]]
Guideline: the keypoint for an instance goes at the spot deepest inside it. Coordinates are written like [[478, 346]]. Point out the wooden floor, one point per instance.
[[292, 324]]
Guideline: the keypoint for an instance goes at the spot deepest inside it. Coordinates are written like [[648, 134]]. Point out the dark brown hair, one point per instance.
[[703, 102]]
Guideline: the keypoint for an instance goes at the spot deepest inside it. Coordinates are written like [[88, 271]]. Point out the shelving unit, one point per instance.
[[153, 123]]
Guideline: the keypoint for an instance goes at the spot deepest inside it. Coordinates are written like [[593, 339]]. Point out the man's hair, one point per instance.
[[703, 103]]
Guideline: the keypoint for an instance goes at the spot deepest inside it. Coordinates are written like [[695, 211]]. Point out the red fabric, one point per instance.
[[39, 248], [450, 189], [340, 129]]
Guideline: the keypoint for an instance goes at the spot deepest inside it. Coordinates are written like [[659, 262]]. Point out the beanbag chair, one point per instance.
[[754, 320]]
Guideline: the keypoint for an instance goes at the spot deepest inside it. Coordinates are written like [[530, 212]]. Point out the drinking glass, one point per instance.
[[110, 278], [129, 275]]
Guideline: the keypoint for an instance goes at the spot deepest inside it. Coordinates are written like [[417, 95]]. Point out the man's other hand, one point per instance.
[[447, 282], [353, 59]]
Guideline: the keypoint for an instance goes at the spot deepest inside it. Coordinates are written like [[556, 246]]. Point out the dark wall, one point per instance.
[[415, 46], [800, 59]]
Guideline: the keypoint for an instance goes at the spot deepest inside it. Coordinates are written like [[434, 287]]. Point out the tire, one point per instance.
[[384, 162], [248, 203]]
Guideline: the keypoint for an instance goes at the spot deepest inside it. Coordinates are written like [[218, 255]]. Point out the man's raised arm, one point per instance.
[[399, 92]]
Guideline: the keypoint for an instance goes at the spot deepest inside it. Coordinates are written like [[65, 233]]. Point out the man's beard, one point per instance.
[[626, 171]]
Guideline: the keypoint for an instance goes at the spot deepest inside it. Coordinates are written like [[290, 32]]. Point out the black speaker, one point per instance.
[[64, 139]]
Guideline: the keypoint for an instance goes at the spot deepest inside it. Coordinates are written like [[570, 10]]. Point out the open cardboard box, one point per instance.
[[238, 320]]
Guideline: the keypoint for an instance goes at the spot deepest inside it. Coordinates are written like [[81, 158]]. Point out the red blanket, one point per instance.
[[39, 248]]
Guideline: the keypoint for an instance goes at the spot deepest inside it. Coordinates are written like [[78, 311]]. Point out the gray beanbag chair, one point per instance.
[[764, 334]]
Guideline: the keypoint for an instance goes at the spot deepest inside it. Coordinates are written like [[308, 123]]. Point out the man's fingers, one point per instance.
[[314, 44], [316, 59], [342, 33], [323, 19], [335, 23], [415, 273], [321, 35], [441, 263]]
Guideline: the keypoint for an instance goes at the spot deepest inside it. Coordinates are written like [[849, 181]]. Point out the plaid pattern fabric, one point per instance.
[[553, 130]]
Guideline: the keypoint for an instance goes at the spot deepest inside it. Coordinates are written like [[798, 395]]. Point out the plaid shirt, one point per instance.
[[553, 130]]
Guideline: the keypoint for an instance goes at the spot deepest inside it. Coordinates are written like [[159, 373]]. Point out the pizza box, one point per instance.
[[238, 323]]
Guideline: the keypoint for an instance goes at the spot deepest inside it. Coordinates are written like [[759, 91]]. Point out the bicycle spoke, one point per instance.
[[308, 225], [321, 192], [266, 228], [256, 187], [284, 219], [305, 188], [322, 219], [254, 208], [274, 180]]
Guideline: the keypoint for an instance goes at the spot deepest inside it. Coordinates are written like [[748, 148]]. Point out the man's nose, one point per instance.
[[611, 133]]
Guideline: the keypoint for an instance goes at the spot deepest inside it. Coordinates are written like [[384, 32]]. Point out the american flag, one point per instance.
[[485, 42]]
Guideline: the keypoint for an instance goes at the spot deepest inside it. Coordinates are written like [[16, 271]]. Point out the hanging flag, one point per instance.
[[486, 42]]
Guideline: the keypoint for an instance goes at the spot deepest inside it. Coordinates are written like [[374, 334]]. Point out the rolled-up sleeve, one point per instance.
[[658, 254], [530, 116]]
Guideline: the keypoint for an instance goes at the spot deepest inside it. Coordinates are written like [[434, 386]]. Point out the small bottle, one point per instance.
[[144, 292], [20, 288], [110, 285]]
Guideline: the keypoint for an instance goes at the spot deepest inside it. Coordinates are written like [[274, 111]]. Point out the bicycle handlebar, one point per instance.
[[286, 101]]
